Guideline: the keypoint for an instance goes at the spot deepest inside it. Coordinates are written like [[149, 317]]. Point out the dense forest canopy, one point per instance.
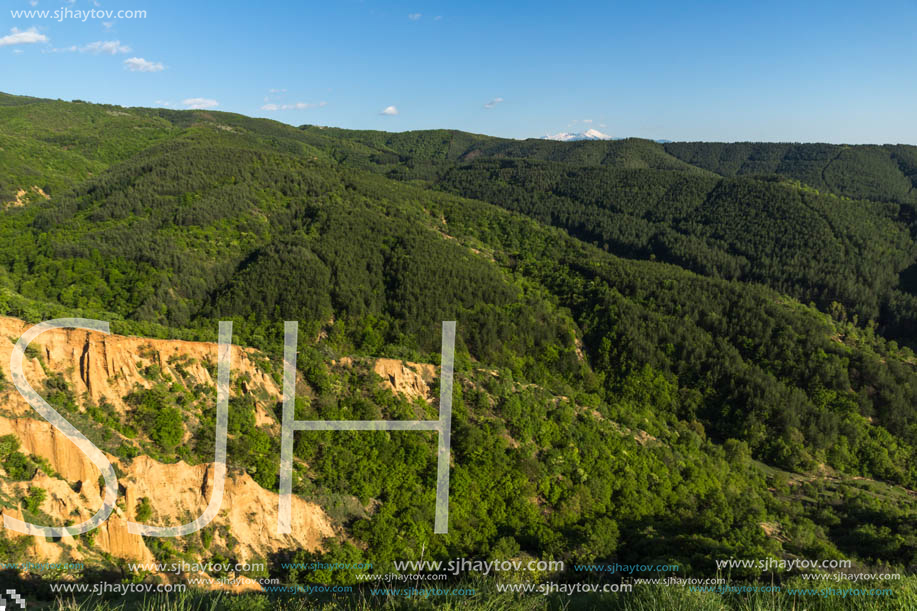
[[659, 344]]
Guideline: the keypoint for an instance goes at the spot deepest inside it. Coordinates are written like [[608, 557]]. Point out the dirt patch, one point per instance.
[[410, 379], [22, 197], [177, 493], [109, 366], [774, 531]]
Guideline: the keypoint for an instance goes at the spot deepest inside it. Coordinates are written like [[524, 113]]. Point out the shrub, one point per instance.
[[144, 510], [168, 428], [35, 499]]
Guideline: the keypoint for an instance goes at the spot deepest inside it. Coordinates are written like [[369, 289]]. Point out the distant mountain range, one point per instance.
[[589, 134]]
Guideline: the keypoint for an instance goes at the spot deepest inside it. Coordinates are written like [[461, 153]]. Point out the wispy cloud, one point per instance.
[[297, 106], [107, 24], [390, 111], [111, 47], [200, 103], [138, 64], [587, 120], [274, 101], [415, 16], [493, 103], [22, 37], [163, 103]]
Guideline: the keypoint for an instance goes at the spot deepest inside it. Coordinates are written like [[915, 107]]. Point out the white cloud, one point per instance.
[[112, 47], [415, 16], [587, 120], [138, 64], [276, 90], [493, 102], [296, 106], [33, 2], [18, 51], [27, 37], [107, 24], [200, 103], [163, 103], [390, 111]]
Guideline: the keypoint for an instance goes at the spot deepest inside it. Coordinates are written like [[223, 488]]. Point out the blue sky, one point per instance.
[[776, 71]]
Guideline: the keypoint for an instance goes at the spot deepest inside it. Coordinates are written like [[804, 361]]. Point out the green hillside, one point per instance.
[[822, 223], [883, 173], [661, 347]]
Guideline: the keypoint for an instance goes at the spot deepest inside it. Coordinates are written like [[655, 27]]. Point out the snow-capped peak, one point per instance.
[[589, 134]]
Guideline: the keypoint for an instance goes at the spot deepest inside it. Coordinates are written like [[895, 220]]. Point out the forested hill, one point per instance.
[[654, 358], [877, 172], [828, 224], [882, 173]]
